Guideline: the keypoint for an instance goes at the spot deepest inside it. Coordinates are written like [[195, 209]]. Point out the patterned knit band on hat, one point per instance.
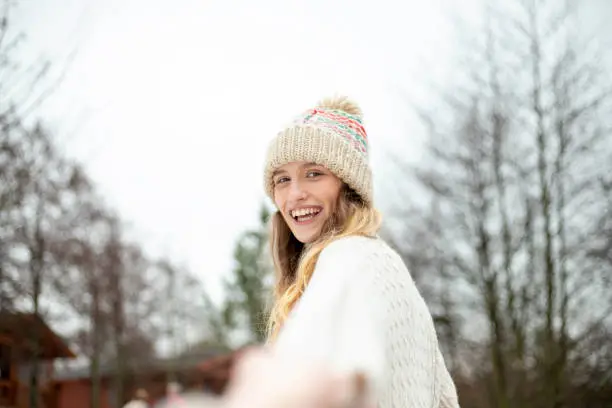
[[330, 135]]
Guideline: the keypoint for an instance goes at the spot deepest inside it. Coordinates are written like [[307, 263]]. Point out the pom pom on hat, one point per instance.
[[342, 103]]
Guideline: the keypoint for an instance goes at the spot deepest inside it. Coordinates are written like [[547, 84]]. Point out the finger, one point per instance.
[[350, 392]]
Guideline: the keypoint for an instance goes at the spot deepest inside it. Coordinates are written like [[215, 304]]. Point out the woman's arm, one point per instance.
[[338, 321], [363, 313], [262, 380]]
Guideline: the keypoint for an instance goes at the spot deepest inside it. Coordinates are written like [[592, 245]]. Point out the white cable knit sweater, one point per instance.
[[362, 311]]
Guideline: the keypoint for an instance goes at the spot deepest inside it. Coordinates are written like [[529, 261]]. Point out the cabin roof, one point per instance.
[[28, 331]]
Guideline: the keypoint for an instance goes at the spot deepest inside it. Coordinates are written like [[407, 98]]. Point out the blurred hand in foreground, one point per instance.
[[261, 380]]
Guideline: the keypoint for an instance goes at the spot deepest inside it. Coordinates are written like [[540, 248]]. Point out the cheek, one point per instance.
[[332, 194], [279, 200]]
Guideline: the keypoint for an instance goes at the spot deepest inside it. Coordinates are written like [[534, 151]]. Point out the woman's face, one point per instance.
[[306, 195]]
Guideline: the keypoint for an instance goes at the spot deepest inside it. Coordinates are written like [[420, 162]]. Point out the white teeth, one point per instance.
[[304, 211]]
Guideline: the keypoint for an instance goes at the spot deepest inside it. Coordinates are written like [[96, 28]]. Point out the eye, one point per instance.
[[280, 180], [313, 173]]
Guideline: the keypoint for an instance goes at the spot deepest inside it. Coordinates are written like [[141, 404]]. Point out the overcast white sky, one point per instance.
[[170, 108]]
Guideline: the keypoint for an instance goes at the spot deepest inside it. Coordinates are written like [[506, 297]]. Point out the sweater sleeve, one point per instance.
[[363, 312], [338, 320]]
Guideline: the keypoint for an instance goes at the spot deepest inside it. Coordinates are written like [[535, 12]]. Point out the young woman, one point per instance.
[[343, 297], [349, 328]]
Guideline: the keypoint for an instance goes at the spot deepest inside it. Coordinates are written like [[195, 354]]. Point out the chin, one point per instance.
[[307, 238]]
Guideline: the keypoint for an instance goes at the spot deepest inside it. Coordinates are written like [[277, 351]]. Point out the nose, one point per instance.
[[296, 192]]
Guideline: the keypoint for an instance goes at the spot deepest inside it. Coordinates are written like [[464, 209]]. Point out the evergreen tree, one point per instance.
[[248, 287]]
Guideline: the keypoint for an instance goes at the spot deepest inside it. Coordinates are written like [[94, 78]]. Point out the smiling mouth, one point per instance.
[[306, 215]]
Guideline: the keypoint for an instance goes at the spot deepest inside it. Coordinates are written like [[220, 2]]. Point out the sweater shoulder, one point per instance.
[[356, 249]]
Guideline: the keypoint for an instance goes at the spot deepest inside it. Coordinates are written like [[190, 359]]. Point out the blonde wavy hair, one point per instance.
[[294, 262]]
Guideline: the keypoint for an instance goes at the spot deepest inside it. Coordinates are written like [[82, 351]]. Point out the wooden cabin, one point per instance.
[[207, 371], [23, 336]]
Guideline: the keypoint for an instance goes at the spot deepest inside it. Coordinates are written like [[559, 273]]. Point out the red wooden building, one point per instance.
[[207, 370], [23, 336]]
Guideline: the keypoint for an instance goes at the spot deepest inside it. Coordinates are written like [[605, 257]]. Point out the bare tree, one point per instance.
[[60, 243], [514, 160], [37, 209]]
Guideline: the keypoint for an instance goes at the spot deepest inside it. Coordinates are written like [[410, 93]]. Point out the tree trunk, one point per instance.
[[550, 344], [114, 270], [95, 339], [37, 253]]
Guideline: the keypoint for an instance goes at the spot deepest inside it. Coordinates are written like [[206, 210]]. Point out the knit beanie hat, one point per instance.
[[331, 135]]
